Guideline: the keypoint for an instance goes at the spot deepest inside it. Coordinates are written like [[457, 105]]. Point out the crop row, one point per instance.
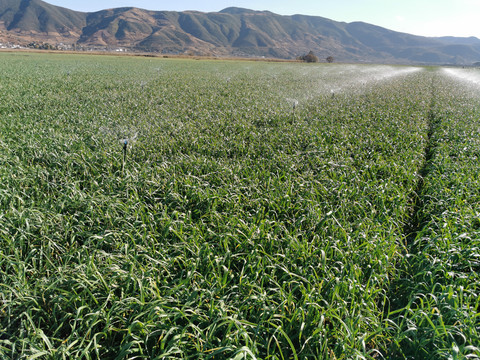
[[261, 211], [440, 317]]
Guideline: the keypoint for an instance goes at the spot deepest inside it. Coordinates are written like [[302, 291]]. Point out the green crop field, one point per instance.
[[179, 209]]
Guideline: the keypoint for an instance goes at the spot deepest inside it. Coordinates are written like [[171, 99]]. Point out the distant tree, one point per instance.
[[330, 59], [310, 58]]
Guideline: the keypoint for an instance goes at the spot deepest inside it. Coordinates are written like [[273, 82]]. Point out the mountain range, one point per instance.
[[230, 32]]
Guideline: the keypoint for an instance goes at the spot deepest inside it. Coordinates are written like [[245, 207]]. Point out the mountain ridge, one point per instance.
[[233, 31]]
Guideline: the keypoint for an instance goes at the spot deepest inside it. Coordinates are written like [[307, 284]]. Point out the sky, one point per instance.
[[418, 17]]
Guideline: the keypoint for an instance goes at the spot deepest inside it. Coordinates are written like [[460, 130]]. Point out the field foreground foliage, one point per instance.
[[263, 211]]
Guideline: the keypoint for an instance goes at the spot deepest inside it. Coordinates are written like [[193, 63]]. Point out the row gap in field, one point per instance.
[[415, 223], [400, 290]]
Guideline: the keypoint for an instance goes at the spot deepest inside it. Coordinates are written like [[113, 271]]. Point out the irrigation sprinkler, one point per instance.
[[294, 103], [125, 144], [127, 141]]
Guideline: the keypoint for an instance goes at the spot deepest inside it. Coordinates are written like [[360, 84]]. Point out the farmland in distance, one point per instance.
[[179, 209]]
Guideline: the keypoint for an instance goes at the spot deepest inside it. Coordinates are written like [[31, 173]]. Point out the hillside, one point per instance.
[[39, 21], [230, 32]]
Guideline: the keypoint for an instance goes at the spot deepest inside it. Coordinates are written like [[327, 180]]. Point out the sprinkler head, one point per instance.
[[125, 143]]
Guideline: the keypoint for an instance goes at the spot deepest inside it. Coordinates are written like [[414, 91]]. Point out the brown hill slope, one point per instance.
[[32, 19], [230, 32]]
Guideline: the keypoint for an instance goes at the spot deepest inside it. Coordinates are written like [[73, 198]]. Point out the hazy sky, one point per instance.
[[419, 17]]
